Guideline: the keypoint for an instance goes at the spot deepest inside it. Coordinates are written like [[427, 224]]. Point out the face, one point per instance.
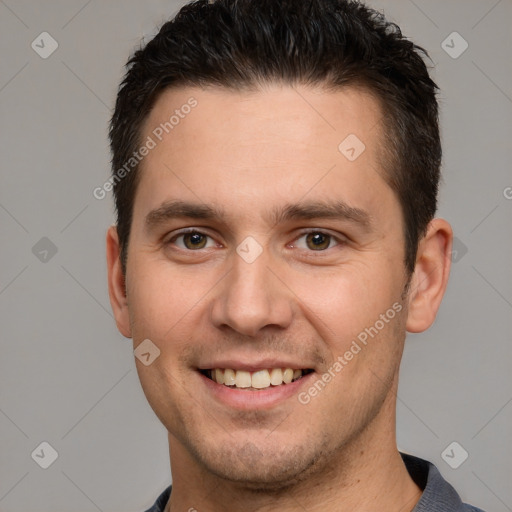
[[258, 246]]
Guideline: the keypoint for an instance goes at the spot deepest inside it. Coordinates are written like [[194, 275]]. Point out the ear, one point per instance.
[[116, 283], [430, 277]]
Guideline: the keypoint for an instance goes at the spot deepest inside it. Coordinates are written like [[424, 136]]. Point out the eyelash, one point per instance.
[[338, 240]]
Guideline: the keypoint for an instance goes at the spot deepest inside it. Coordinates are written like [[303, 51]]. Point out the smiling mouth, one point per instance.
[[253, 381]]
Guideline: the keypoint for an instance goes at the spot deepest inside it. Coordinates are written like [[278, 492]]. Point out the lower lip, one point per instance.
[[250, 400]]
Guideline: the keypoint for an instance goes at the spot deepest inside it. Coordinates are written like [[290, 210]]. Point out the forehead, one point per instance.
[[259, 116], [275, 143]]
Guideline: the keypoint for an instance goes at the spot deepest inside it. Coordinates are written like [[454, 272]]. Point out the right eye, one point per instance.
[[192, 240]]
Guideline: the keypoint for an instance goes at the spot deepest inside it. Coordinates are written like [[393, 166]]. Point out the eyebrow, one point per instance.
[[305, 210]]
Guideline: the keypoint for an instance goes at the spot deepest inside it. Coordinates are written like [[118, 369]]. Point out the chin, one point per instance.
[[268, 469]]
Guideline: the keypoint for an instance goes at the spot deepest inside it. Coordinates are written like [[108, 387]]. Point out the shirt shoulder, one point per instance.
[[438, 495], [161, 501]]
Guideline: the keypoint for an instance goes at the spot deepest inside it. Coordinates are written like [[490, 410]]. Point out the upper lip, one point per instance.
[[253, 365]]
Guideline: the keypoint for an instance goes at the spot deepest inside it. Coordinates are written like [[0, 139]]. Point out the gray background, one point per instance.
[[68, 377]]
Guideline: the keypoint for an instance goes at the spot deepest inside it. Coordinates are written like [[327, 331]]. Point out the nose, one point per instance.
[[251, 297]]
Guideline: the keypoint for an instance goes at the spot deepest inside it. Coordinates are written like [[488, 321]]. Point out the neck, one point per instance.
[[366, 474]]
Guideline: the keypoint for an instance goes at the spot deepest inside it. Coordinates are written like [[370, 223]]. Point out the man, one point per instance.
[[276, 167]]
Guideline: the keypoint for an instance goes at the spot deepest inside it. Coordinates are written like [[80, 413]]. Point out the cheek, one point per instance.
[[164, 392], [161, 299], [347, 300]]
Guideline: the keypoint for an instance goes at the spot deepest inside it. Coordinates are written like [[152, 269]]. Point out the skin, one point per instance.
[[249, 153]]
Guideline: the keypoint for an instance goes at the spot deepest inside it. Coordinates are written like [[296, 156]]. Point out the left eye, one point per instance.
[[316, 241], [192, 240]]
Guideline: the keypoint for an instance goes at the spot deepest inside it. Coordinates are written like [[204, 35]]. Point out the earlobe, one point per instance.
[[116, 283], [430, 276]]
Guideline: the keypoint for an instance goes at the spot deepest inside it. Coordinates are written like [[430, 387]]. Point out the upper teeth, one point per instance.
[[259, 380]]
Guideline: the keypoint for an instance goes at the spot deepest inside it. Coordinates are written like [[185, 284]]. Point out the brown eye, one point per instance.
[[194, 240], [191, 241], [318, 241]]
